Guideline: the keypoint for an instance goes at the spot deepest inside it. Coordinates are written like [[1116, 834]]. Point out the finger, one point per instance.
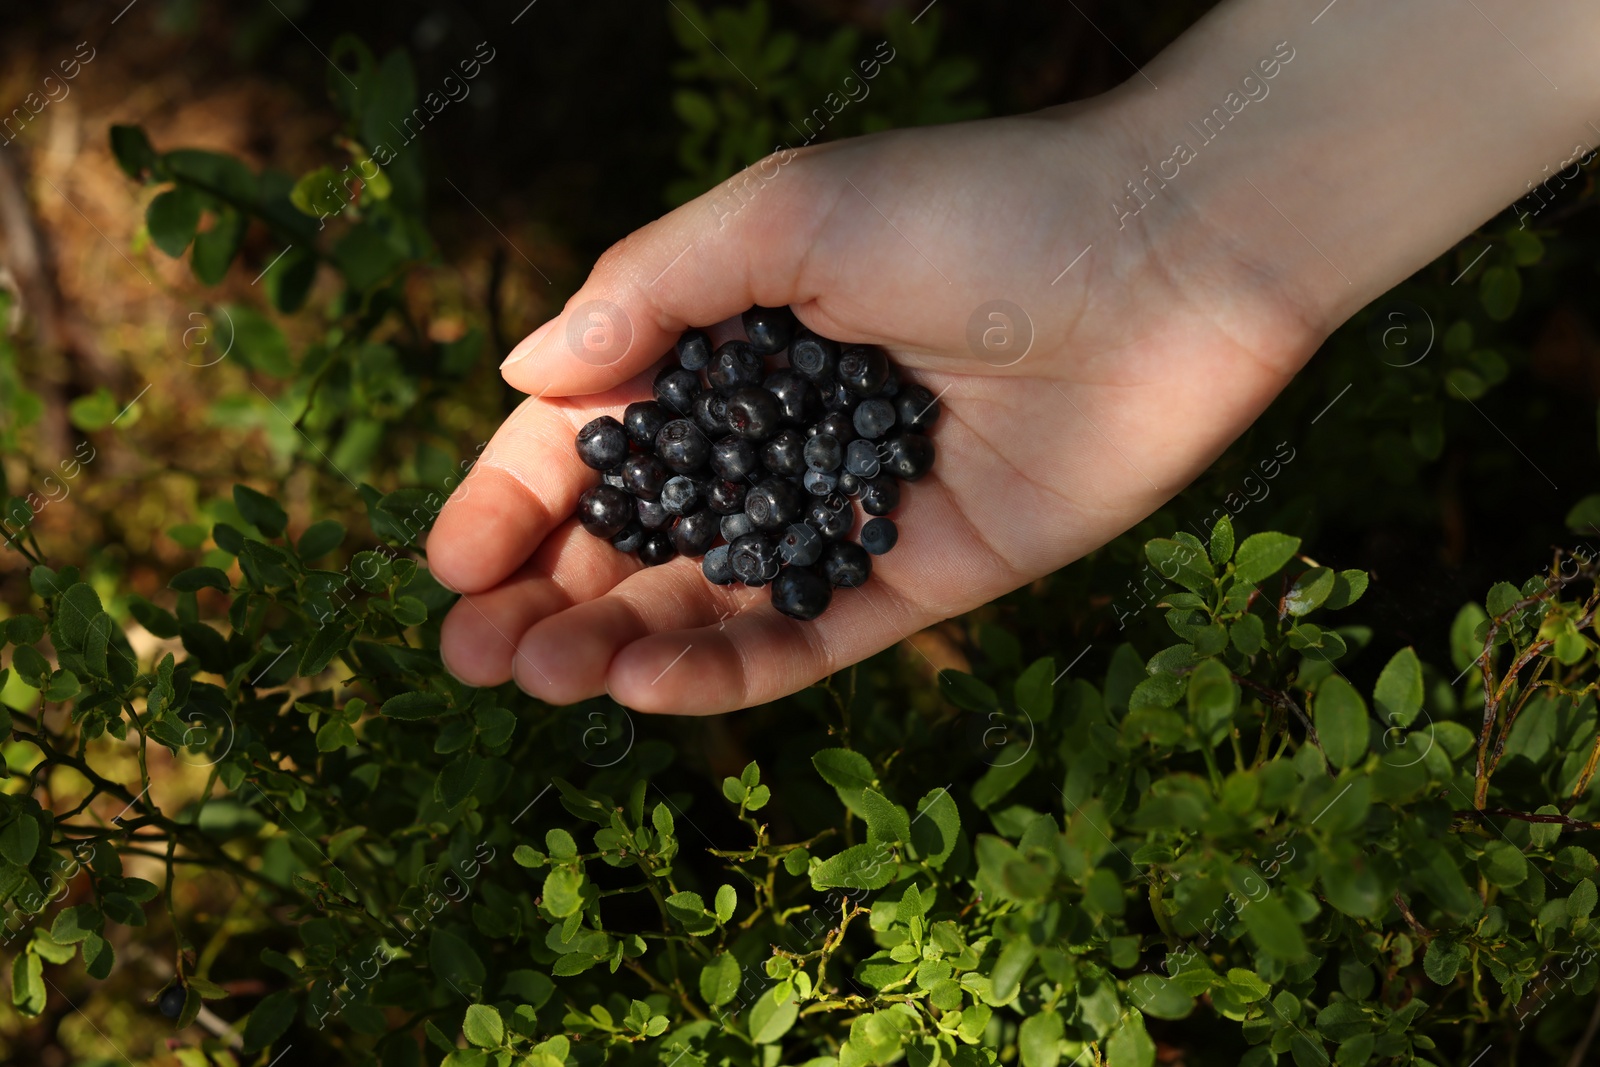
[[526, 482], [706, 261], [759, 654], [564, 658], [479, 637]]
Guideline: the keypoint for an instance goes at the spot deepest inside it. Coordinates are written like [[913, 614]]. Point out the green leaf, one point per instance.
[[936, 828], [415, 706], [20, 840], [1443, 959], [562, 892], [1347, 589], [269, 1020], [727, 900], [771, 1018], [719, 979], [1398, 694], [1160, 997], [848, 772], [1247, 633], [1500, 288], [857, 867], [1503, 864], [197, 578], [1130, 1045], [215, 248], [93, 411], [1039, 1039], [1221, 546], [887, 822], [1340, 716], [132, 150], [453, 959], [260, 510], [1003, 776], [483, 1027], [172, 219], [1262, 555], [1179, 562], [1309, 591], [458, 778], [1274, 929], [1582, 901]]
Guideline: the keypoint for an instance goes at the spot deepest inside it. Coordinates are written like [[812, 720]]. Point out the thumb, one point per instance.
[[739, 244]]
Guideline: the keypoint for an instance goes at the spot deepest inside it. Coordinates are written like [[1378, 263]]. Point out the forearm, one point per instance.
[[1393, 129]]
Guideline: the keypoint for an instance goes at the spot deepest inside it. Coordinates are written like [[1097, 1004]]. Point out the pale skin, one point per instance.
[[1394, 130]]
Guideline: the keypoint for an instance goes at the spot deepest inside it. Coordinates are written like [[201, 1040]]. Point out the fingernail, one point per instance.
[[528, 344]]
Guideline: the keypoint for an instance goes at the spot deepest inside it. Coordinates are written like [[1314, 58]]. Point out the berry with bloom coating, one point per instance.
[[717, 567], [657, 548], [680, 495], [801, 545], [846, 564], [682, 446], [694, 533], [879, 535], [602, 443], [769, 329], [694, 350], [874, 418], [735, 366], [676, 389], [643, 419], [604, 510], [801, 593], [754, 559], [643, 475], [631, 537], [814, 357]]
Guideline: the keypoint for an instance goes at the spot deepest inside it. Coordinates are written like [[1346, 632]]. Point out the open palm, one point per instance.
[[1086, 373]]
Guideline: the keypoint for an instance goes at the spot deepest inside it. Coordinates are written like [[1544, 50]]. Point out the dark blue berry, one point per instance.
[[753, 413], [724, 497], [769, 329], [631, 537], [643, 420], [735, 459], [801, 593], [735, 366], [736, 526], [879, 495], [171, 1002], [680, 495], [824, 453], [801, 545], [694, 350], [657, 548], [908, 456], [832, 523], [754, 559], [798, 400], [717, 567], [682, 447], [849, 484], [836, 396], [643, 476], [861, 459], [785, 453], [710, 413], [874, 418], [773, 503], [839, 425], [820, 483], [602, 443], [694, 533], [917, 407], [879, 535], [846, 564], [676, 389], [604, 510], [863, 369], [891, 386], [653, 515], [613, 477], [814, 357]]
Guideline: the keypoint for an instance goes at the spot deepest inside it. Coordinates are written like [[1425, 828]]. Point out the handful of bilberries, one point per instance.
[[771, 462]]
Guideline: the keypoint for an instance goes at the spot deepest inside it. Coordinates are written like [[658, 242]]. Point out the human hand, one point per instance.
[[1120, 372]]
